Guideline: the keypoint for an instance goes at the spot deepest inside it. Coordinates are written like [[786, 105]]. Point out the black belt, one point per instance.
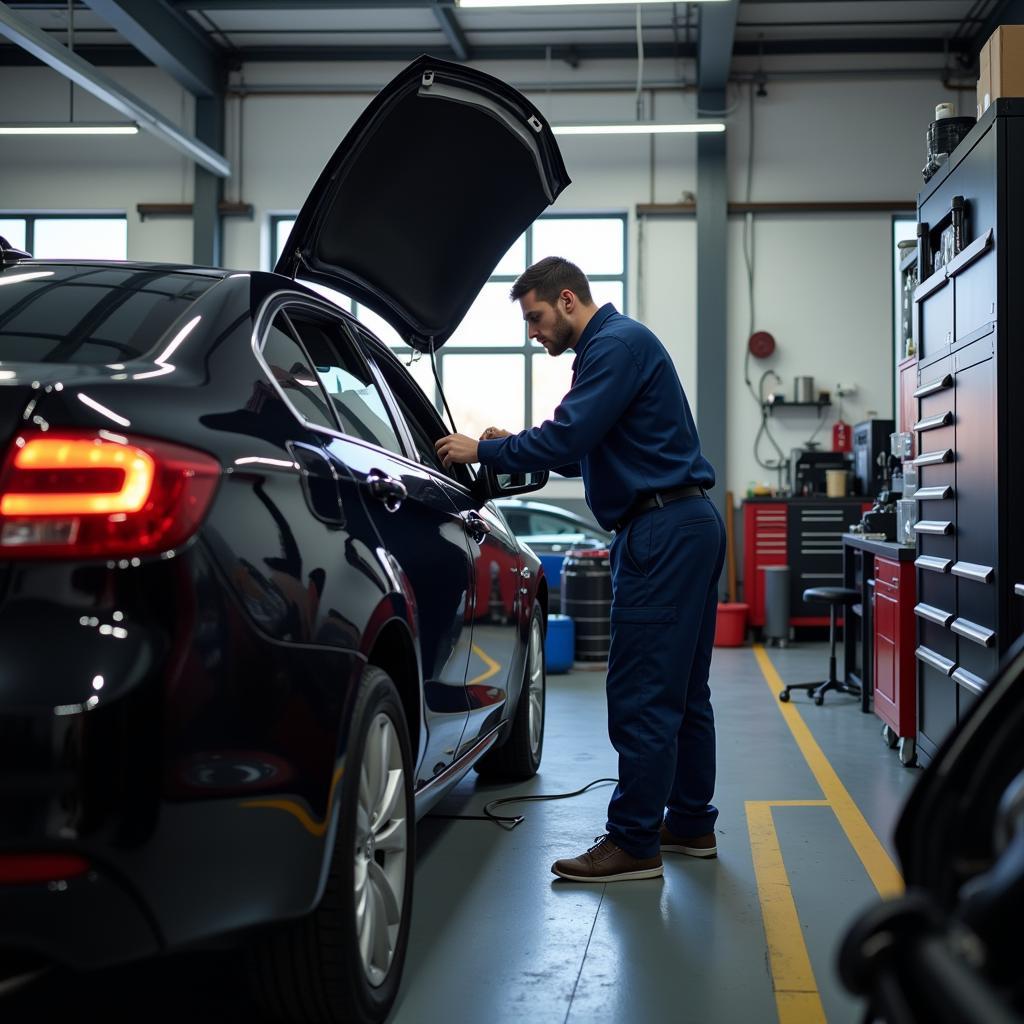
[[658, 500]]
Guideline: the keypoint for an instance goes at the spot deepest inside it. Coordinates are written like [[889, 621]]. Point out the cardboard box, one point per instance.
[[985, 77], [1001, 65]]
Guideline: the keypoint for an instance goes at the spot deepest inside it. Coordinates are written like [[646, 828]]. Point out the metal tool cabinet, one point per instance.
[[969, 320]]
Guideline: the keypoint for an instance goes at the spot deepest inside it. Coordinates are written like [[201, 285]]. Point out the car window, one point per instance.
[[357, 399], [517, 519], [291, 368], [544, 522], [424, 424], [63, 313]]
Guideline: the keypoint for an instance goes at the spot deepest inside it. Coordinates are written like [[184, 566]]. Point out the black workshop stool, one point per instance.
[[834, 597]]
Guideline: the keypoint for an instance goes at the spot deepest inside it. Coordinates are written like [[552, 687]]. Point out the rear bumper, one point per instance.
[[198, 787], [85, 923]]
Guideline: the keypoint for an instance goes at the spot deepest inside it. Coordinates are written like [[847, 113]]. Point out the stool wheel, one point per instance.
[[784, 696], [819, 700]]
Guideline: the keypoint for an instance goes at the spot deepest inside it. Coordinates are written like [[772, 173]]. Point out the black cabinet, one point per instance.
[[970, 419]]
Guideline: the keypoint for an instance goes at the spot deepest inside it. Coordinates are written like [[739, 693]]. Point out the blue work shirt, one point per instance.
[[625, 426]]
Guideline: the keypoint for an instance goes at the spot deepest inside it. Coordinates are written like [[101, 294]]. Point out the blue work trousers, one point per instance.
[[665, 568]]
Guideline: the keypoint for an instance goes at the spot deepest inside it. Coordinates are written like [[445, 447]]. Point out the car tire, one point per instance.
[[518, 758], [343, 962]]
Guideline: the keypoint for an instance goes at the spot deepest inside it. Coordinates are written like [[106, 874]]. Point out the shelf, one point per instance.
[[770, 407]]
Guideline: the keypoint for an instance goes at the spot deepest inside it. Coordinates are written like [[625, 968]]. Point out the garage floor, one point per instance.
[[496, 938], [505, 941]]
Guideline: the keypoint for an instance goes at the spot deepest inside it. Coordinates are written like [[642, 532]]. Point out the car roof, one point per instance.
[[177, 268]]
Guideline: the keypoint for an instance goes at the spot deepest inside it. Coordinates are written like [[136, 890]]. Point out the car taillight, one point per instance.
[[78, 495], [25, 868]]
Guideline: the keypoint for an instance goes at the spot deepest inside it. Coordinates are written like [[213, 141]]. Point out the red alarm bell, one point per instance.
[[761, 344]]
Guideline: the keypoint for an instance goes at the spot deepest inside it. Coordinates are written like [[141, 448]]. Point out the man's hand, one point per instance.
[[456, 448], [493, 433]]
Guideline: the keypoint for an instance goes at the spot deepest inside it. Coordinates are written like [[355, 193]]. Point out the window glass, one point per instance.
[[607, 291], [291, 369], [13, 229], [514, 261], [485, 390], [357, 399], [282, 228], [545, 523], [73, 314], [493, 319], [594, 244], [378, 326], [77, 238]]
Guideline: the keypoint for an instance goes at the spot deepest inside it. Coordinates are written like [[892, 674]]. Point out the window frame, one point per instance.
[[527, 350], [31, 218]]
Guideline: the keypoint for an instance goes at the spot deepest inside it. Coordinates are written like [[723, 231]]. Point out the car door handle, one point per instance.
[[386, 489], [477, 527]]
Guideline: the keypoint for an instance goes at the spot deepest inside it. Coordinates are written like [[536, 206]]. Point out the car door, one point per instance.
[[499, 615], [418, 526]]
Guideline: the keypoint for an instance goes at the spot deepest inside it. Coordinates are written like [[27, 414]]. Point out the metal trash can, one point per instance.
[[587, 600], [776, 603]]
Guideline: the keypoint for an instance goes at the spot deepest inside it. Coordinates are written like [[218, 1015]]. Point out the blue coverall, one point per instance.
[[626, 427]]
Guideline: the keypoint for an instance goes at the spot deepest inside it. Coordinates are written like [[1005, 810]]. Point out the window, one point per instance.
[[68, 236], [290, 367], [491, 372], [357, 401], [85, 314]]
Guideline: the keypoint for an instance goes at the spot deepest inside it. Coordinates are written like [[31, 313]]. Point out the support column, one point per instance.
[[207, 228], [712, 292]]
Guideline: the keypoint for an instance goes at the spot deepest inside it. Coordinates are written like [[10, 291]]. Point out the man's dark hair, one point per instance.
[[549, 277]]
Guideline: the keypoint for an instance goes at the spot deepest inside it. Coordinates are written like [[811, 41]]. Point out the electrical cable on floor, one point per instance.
[[509, 822]]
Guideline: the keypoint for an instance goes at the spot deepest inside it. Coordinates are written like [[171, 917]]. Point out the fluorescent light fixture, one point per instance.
[[68, 128], [638, 128], [559, 3]]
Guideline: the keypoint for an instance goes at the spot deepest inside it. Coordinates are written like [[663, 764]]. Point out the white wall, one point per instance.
[[822, 282]]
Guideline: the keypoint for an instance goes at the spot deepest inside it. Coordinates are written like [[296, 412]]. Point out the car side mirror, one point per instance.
[[491, 484]]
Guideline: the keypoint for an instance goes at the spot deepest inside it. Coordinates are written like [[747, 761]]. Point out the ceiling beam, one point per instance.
[[170, 40], [72, 66], [126, 56], [452, 30]]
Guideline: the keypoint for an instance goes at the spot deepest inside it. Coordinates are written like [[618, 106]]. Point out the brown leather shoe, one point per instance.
[[692, 846], [605, 862]]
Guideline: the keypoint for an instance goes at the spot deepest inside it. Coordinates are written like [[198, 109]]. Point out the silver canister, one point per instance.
[[803, 389]]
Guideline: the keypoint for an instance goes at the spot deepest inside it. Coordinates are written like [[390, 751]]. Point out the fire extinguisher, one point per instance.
[[841, 439]]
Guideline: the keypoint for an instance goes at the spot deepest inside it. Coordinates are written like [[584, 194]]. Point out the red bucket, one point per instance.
[[731, 625]]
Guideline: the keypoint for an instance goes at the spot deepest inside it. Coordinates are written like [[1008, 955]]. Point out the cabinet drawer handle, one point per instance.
[[934, 526], [970, 571], [933, 563], [969, 681], [937, 661], [972, 631], [933, 493], [1018, 589], [942, 419], [932, 386], [934, 458], [933, 614]]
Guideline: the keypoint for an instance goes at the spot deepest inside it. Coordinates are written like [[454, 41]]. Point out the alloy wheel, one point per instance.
[[381, 850], [536, 686]]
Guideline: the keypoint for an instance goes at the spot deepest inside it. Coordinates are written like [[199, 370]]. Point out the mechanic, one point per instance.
[[626, 427]]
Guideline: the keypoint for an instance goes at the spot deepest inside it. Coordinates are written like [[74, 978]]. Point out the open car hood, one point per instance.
[[443, 171]]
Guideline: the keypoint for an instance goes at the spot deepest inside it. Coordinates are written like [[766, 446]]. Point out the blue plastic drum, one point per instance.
[[561, 643]]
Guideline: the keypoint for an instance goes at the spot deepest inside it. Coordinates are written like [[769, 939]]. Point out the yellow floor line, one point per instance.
[[877, 862], [796, 991]]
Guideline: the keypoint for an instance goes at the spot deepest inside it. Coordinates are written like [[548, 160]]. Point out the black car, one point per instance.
[[251, 628]]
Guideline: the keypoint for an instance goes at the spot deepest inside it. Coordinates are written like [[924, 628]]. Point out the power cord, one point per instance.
[[509, 822]]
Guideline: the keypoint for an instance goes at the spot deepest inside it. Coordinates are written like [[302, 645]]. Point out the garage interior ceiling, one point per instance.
[[944, 34]]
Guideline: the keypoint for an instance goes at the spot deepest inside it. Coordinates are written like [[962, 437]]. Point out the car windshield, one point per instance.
[[61, 313]]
